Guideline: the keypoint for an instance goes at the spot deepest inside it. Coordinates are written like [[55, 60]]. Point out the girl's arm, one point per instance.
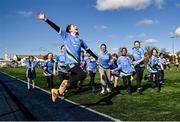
[[42, 16]]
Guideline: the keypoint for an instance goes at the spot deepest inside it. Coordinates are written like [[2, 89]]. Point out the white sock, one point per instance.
[[33, 83], [28, 83]]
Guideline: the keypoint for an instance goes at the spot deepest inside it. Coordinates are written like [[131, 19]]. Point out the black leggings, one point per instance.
[[139, 75], [162, 75], [127, 82], [62, 76], [155, 78], [92, 76], [50, 81], [77, 74]]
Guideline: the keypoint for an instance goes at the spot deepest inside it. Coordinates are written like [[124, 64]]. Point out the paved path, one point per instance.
[[37, 104]]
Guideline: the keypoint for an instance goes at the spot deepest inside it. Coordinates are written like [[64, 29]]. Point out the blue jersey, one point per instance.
[[153, 61], [60, 60], [138, 53], [31, 65], [73, 47], [162, 61], [125, 65], [104, 59], [154, 64], [49, 66], [113, 64], [82, 62], [91, 64]]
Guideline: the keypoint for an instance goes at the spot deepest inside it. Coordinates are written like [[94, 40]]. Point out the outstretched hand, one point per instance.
[[41, 16]]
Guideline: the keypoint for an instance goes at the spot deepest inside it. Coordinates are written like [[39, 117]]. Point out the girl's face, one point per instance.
[[82, 54], [161, 56], [88, 55], [123, 52], [62, 49], [103, 48], [154, 52], [50, 56], [137, 45], [114, 57], [73, 29], [31, 59]]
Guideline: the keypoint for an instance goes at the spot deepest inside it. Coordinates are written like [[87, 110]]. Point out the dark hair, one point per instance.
[[103, 45], [161, 54], [152, 51], [62, 46], [82, 51], [137, 41], [31, 57], [115, 55], [46, 56], [69, 27], [123, 49]]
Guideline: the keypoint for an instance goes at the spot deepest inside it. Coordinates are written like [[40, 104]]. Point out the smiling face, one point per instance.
[[154, 52], [124, 51], [31, 58], [72, 29], [137, 44], [103, 48], [50, 56], [62, 49]]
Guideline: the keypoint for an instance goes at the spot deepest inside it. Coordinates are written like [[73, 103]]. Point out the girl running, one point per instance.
[[162, 61], [154, 67], [114, 65], [91, 65], [104, 68], [138, 61], [31, 64], [49, 69], [125, 69], [60, 63], [73, 44]]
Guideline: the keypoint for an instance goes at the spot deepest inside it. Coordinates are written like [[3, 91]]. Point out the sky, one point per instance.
[[117, 23]]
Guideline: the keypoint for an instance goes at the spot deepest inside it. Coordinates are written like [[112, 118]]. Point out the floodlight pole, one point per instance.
[[172, 37]]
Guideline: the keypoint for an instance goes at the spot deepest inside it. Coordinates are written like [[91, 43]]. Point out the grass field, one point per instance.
[[150, 106]]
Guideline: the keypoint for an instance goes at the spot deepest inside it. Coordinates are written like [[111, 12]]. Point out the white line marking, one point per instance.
[[62, 98]]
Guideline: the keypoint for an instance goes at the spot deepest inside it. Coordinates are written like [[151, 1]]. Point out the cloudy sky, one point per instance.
[[114, 22]]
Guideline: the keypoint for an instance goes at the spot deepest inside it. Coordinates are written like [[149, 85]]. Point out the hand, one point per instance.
[[135, 62], [41, 16], [55, 73]]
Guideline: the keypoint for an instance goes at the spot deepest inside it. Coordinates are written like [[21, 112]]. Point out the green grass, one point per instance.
[[150, 106]]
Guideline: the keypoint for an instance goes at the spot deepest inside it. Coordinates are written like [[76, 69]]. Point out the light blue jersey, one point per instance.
[[138, 53], [60, 60], [49, 66], [83, 62], [154, 66], [104, 59], [162, 61], [91, 64], [153, 61], [125, 65], [31, 65], [73, 47]]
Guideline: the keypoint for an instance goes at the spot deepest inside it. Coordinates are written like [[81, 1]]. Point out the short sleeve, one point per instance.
[[84, 45], [142, 52], [63, 34]]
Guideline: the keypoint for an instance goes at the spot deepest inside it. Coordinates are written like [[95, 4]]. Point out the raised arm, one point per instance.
[[43, 17]]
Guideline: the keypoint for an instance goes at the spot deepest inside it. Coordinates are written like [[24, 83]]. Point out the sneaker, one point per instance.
[[63, 87], [93, 89], [140, 91], [132, 78], [108, 89], [102, 91], [54, 93]]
